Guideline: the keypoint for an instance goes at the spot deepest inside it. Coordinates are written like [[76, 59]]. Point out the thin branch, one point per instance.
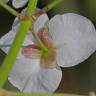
[[8, 8]]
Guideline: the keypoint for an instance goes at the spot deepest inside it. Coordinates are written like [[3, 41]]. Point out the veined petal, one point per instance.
[[21, 71], [40, 22], [19, 3], [7, 39], [45, 81], [75, 37]]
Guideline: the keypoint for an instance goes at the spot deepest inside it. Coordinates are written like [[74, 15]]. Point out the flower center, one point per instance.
[[48, 58]]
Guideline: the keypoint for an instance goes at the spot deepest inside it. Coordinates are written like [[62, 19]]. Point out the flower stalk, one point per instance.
[[51, 5], [7, 93], [8, 8]]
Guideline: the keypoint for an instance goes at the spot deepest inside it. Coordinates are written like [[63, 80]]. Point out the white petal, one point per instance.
[[5, 1], [8, 40], [21, 71], [76, 36], [40, 22], [19, 3], [46, 80]]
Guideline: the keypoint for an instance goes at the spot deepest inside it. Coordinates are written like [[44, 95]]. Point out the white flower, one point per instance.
[[72, 34]]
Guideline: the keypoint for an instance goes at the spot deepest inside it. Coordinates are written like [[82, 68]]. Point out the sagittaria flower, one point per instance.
[[70, 39]]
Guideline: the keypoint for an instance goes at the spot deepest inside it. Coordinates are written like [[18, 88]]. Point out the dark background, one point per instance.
[[79, 79]]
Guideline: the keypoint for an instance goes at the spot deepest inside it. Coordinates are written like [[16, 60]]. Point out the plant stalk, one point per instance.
[[8, 8], [51, 5], [7, 93]]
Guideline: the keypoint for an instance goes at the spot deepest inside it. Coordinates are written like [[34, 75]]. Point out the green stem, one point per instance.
[[11, 57], [48, 94], [51, 5], [31, 5], [5, 93], [40, 43], [8, 8]]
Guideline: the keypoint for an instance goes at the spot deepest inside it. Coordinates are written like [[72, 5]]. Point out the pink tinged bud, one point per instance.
[[45, 37], [31, 51]]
